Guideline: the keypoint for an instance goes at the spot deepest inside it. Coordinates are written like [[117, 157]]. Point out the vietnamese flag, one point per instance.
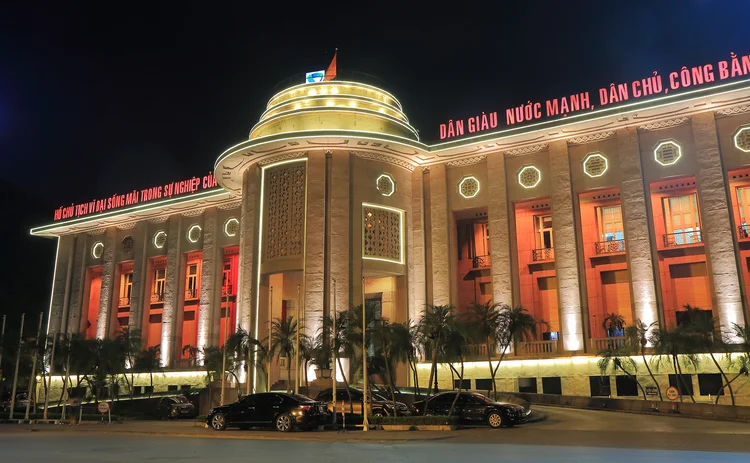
[[331, 71]]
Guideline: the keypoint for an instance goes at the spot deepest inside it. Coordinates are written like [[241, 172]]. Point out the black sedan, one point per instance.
[[380, 405], [175, 407], [473, 409], [280, 410]]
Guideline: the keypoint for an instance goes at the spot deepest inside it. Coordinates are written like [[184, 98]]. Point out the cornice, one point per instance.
[[467, 161], [384, 158], [583, 139], [283, 157], [741, 109], [526, 150], [664, 124]]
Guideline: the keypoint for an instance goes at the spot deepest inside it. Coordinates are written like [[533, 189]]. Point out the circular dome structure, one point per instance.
[[333, 105]]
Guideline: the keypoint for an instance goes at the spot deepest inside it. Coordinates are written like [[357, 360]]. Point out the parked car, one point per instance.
[[380, 405], [281, 410], [175, 407], [22, 398], [473, 409]]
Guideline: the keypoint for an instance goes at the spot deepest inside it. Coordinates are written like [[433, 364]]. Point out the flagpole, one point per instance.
[[333, 351]]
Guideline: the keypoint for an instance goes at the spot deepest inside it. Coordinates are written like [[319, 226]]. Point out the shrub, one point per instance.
[[415, 420]]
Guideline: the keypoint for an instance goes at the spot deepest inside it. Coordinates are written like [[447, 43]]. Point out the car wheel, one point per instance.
[[219, 422], [494, 420], [283, 422], [378, 413]]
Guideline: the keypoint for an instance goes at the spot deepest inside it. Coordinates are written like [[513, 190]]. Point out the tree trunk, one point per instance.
[[650, 373], [289, 374], [390, 381], [151, 377], [461, 382], [682, 380], [634, 378], [497, 367], [727, 383], [346, 385], [716, 401], [433, 371]]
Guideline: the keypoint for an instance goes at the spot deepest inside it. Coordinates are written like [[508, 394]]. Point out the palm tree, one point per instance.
[[676, 344], [283, 337], [435, 325], [132, 344], [243, 345], [403, 347], [486, 319], [149, 361], [612, 323], [617, 357], [452, 351], [515, 324], [638, 335], [384, 338], [742, 362]]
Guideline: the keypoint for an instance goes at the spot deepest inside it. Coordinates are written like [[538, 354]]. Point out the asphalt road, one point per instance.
[[566, 436]]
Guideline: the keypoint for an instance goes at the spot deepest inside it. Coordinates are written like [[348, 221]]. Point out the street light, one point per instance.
[[365, 423]]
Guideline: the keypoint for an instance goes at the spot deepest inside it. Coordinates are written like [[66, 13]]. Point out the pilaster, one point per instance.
[[61, 282], [209, 278], [314, 242], [441, 281], [415, 247], [140, 261], [173, 295], [497, 212], [340, 228], [108, 282]]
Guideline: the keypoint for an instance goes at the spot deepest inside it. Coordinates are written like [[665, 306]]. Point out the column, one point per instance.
[[210, 278], [441, 280], [339, 240], [76, 286], [566, 258], [248, 245], [173, 295], [314, 242], [61, 283], [415, 248], [140, 260], [637, 229], [497, 213], [716, 227], [108, 282]]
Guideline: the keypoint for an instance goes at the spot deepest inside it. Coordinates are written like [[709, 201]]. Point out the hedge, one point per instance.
[[414, 420]]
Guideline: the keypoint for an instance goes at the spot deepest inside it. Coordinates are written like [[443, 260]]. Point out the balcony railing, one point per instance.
[[124, 302], [610, 247], [191, 293], [743, 232], [480, 262], [543, 254], [227, 290], [538, 348], [157, 297], [477, 351], [600, 344], [184, 364], [682, 239]]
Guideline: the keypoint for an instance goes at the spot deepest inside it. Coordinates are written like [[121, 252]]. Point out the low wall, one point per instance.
[[688, 409]]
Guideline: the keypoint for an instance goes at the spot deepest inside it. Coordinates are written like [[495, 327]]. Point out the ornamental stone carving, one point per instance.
[[381, 233], [285, 216]]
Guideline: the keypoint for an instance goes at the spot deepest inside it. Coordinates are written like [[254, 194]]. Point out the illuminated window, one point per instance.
[[97, 249], [160, 283], [682, 219], [667, 152], [742, 139], [231, 227], [610, 223], [468, 187], [385, 184], [543, 227], [126, 289], [194, 233], [160, 239], [529, 176], [595, 165], [743, 203], [192, 281]]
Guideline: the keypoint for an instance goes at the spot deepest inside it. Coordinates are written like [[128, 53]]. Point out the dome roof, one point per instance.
[[333, 105]]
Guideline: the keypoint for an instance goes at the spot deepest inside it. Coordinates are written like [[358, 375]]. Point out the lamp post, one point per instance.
[[296, 349], [365, 401], [32, 377], [268, 354], [333, 353], [15, 375]]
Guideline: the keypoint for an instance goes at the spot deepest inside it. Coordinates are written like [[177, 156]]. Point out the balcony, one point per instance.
[[743, 232], [542, 255], [481, 262], [191, 294], [474, 352], [157, 297], [124, 302], [185, 364], [609, 247], [672, 240], [227, 290], [538, 348], [600, 344]]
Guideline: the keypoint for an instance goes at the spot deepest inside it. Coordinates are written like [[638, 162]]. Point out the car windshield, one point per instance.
[[301, 398], [379, 397], [182, 400], [481, 398]]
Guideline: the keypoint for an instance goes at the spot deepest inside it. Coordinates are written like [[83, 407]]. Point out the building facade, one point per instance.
[[635, 210]]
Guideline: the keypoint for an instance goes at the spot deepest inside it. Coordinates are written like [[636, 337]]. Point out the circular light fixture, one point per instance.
[[385, 184], [468, 187], [595, 165], [160, 239], [529, 176], [667, 152], [231, 226], [742, 139], [194, 233], [97, 249]]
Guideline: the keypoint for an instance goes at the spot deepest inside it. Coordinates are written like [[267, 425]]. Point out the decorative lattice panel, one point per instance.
[[382, 233], [386, 185], [231, 226], [127, 244], [742, 139], [285, 216], [595, 165], [468, 187], [667, 153], [160, 239], [529, 177]]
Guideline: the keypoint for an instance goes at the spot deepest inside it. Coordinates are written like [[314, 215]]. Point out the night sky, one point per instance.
[[101, 97]]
